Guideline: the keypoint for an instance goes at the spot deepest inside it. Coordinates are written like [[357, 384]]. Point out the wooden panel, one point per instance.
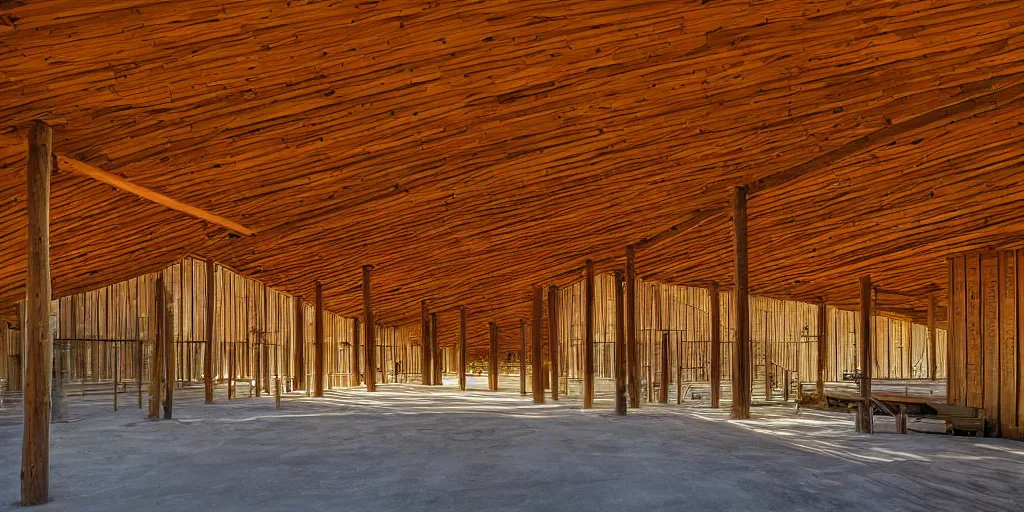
[[1007, 340], [974, 355], [990, 335]]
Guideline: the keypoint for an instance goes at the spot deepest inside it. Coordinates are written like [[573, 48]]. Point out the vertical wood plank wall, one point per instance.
[[783, 335], [986, 312]]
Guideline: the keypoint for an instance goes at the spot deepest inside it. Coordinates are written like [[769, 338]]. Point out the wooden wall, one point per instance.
[[986, 320]]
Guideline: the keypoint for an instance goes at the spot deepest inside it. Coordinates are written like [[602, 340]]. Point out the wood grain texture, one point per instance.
[[473, 149]]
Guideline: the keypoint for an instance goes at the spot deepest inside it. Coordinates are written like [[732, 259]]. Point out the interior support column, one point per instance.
[[864, 414], [425, 366], [819, 381], [522, 357], [537, 355], [462, 348], [741, 348], [208, 347], [632, 354], [38, 337], [300, 345], [167, 345], [156, 364], [666, 376], [553, 345], [318, 340], [620, 345], [716, 347], [437, 374], [370, 338], [588, 339], [492, 359]]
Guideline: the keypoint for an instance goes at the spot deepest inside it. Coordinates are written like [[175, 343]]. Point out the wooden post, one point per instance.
[[37, 355], [139, 348], [156, 360], [665, 375], [536, 354], [933, 368], [58, 397], [819, 381], [588, 339], [522, 357], [370, 338], [462, 348], [277, 393], [426, 369], [741, 348], [300, 345], [170, 359], [632, 354], [318, 340], [620, 345], [208, 347], [117, 363], [492, 357], [354, 355], [436, 377], [716, 347], [865, 419], [553, 343]]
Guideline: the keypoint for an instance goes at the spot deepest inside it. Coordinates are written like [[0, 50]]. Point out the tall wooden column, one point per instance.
[[462, 348], [536, 354], [666, 375], [318, 340], [169, 357], [588, 340], [553, 347], [492, 359], [370, 338], [933, 367], [522, 357], [156, 364], [300, 344], [426, 369], [208, 347], [620, 345], [716, 347], [38, 337], [864, 415], [632, 354], [819, 381], [741, 348], [354, 362], [437, 373]]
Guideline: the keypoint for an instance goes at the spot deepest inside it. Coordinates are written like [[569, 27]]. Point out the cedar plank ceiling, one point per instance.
[[472, 149]]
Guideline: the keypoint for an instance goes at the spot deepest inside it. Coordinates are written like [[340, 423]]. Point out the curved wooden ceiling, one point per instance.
[[470, 150]]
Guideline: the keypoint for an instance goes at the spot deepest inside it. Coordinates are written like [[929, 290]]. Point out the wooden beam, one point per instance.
[[300, 344], [492, 358], [665, 375], [864, 416], [78, 167], [208, 347], [716, 346], [620, 345], [318, 340], [537, 355], [370, 337], [553, 342], [426, 369], [741, 347], [38, 337], [167, 346], [156, 356], [522, 357], [588, 339], [819, 381], [932, 338], [632, 354], [462, 348], [354, 361]]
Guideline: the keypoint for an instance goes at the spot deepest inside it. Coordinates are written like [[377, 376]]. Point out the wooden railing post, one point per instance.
[[426, 369], [819, 381], [300, 345], [354, 362], [522, 357]]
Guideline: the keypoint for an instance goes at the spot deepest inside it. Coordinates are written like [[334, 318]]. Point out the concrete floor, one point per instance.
[[414, 448]]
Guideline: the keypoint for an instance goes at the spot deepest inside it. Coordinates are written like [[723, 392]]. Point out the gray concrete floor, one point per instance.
[[413, 448]]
